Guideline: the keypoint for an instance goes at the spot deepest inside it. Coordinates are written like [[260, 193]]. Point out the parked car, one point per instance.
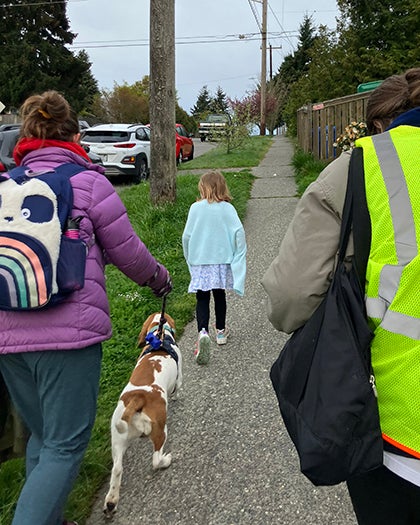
[[213, 125], [8, 127], [96, 159], [123, 148], [83, 125], [184, 145], [8, 141]]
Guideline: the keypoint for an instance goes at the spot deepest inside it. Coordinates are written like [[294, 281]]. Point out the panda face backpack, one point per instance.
[[39, 264], [322, 377]]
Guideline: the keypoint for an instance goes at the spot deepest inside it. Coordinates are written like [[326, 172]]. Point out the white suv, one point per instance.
[[123, 148]]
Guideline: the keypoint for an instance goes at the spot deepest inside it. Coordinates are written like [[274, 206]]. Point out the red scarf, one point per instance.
[[26, 145]]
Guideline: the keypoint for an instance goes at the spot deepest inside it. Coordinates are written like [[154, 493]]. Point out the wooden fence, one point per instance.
[[319, 125]]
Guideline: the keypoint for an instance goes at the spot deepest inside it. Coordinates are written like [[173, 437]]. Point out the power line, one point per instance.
[[281, 27], [41, 3], [240, 36], [254, 12], [145, 42]]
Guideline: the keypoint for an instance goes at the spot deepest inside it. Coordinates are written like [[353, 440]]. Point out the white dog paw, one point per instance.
[[162, 461]]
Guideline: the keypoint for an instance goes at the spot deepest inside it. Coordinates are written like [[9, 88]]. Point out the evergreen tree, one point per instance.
[[293, 73], [35, 58], [203, 104], [182, 117], [380, 37], [297, 64], [219, 103], [374, 39], [80, 85]]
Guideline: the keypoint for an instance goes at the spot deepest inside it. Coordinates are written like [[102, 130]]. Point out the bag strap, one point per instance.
[[362, 229], [356, 214], [67, 170]]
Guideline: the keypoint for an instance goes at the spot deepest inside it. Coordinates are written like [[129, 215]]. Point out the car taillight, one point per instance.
[[129, 160], [125, 145]]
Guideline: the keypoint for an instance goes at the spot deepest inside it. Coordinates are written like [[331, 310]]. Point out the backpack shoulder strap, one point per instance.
[[69, 169], [59, 181], [16, 173]]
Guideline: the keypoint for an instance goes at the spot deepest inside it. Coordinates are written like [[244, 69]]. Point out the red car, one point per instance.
[[184, 144]]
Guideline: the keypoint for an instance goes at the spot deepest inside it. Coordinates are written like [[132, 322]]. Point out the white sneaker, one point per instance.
[[221, 336], [202, 351]]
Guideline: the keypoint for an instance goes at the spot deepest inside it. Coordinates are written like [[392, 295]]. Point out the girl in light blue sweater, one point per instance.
[[215, 250]]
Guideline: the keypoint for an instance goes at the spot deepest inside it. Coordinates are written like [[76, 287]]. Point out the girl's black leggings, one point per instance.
[[203, 308]]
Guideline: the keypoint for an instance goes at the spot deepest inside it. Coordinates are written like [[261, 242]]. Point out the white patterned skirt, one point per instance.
[[210, 276]]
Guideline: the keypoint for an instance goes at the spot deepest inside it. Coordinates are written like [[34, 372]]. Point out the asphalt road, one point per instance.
[[202, 147]]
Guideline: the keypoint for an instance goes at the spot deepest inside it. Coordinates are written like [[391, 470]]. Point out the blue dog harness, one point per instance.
[[157, 344]]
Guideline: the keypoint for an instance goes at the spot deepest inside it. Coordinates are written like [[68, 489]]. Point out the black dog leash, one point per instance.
[[162, 319], [155, 341]]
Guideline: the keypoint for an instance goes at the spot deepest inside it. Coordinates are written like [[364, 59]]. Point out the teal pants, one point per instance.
[[55, 393]]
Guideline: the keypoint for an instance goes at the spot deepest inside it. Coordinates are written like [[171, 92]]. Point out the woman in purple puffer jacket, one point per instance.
[[50, 358]]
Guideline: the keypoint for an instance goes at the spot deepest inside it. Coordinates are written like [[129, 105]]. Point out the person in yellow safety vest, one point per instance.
[[298, 278]]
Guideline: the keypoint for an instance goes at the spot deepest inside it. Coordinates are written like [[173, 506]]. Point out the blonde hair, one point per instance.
[[212, 186], [48, 116], [396, 95]]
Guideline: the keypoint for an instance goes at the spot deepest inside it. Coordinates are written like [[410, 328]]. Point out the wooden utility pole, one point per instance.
[[263, 66], [162, 101]]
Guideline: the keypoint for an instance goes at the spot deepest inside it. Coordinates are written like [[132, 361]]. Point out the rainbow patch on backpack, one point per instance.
[[30, 235]]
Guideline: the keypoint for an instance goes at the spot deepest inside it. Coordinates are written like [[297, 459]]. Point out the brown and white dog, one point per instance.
[[142, 407]]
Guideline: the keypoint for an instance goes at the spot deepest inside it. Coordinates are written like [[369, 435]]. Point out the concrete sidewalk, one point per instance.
[[232, 460]]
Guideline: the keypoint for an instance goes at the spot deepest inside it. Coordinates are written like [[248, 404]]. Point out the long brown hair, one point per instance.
[[396, 95], [212, 186]]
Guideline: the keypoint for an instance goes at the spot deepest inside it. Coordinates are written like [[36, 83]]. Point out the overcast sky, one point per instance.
[[217, 41]]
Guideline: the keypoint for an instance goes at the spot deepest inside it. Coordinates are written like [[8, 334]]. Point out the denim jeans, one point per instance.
[[55, 393]]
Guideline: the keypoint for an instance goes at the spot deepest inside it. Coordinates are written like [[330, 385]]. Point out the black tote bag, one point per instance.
[[322, 377]]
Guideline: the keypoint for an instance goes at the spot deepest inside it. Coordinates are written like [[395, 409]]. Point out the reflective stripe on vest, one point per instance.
[[405, 242]]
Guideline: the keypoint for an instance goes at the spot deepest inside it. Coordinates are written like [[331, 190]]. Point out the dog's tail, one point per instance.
[[134, 406]]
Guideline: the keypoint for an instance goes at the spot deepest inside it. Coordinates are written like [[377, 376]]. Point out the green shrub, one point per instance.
[[306, 168]]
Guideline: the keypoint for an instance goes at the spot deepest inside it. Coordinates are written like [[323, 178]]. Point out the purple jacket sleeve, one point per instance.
[[114, 232]]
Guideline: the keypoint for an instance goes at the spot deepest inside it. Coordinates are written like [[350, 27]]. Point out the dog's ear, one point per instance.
[[145, 328]]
